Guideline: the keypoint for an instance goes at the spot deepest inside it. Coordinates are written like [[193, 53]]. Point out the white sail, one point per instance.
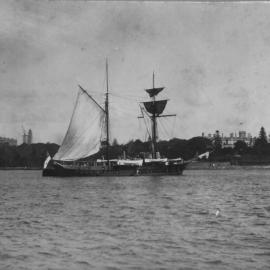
[[85, 130]]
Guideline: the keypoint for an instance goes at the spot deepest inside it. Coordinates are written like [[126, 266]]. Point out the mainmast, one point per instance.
[[154, 125], [155, 108], [107, 113]]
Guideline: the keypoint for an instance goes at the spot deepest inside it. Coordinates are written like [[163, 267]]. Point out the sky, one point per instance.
[[212, 58]]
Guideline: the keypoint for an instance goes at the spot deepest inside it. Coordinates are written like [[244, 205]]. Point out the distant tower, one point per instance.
[[30, 137], [24, 137]]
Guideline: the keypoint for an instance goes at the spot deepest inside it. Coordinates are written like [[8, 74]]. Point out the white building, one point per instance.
[[229, 141]]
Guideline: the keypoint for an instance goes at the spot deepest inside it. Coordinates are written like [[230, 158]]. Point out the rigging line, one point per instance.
[[127, 96], [126, 107], [145, 122], [95, 92], [164, 128], [91, 98], [167, 126], [140, 128], [161, 128], [146, 137], [128, 99], [145, 112], [173, 129], [181, 124], [124, 104], [125, 112]]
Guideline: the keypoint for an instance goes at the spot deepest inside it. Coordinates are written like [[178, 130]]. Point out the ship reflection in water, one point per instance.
[[166, 222]]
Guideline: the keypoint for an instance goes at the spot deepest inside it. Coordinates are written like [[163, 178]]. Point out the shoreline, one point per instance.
[[232, 168], [20, 169], [223, 166]]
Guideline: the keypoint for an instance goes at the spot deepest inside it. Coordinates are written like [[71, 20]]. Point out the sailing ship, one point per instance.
[[89, 124]]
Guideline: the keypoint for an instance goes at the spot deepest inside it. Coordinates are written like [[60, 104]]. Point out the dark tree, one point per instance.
[[260, 144], [263, 136], [199, 145], [217, 142], [178, 148], [134, 148], [240, 147]]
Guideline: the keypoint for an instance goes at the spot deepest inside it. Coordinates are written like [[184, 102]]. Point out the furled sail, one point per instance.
[[154, 91], [85, 129], [155, 107]]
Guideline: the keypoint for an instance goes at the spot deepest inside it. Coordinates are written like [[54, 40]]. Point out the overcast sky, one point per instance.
[[213, 59]]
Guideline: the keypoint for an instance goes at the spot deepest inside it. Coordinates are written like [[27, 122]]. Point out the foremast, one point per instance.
[[107, 113], [155, 108]]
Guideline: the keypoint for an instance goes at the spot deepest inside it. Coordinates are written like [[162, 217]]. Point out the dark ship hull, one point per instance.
[[115, 170]]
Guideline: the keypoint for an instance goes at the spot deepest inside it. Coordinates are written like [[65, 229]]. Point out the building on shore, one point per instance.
[[229, 141], [28, 137], [9, 141]]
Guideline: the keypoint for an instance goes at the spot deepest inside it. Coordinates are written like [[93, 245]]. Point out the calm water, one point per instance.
[[135, 223]]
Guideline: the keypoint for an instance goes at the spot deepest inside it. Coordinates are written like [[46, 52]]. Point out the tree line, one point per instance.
[[33, 156], [26, 156]]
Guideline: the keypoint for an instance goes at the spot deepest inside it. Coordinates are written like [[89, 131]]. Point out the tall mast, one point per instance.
[[155, 108], [154, 125], [107, 112]]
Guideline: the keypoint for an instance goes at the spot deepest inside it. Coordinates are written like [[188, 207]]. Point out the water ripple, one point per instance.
[[135, 223]]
